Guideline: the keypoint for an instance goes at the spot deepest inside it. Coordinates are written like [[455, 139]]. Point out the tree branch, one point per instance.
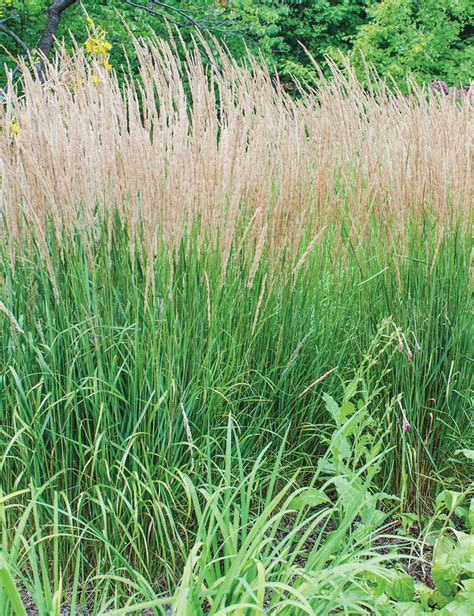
[[179, 11], [23, 46], [200, 24], [153, 12]]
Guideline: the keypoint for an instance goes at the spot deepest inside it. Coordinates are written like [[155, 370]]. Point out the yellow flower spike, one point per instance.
[[15, 129], [96, 79], [98, 47]]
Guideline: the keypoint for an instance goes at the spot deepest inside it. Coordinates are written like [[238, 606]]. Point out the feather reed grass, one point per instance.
[[188, 262], [204, 140]]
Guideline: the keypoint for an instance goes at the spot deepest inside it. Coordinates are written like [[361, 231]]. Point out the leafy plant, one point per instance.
[[429, 40], [452, 565]]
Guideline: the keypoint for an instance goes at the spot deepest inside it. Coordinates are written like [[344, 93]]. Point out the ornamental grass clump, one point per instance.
[[234, 333], [202, 140]]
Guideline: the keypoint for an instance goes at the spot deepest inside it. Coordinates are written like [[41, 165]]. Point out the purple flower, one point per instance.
[[439, 86], [406, 423], [410, 355]]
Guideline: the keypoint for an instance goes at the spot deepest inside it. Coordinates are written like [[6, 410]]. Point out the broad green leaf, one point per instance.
[[408, 609], [443, 547], [423, 593], [468, 453], [445, 569], [346, 409], [372, 516], [402, 588], [449, 499], [310, 497], [438, 600], [444, 575], [351, 390], [458, 607], [332, 407], [468, 585], [340, 447], [466, 542], [350, 494]]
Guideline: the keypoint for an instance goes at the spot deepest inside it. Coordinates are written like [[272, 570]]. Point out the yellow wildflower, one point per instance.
[[98, 47], [15, 129], [96, 79]]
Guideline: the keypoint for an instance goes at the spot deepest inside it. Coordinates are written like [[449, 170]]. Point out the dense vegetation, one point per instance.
[[429, 39], [234, 337]]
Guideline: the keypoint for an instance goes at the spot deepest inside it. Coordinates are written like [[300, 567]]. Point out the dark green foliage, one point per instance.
[[239, 24], [429, 39], [323, 27]]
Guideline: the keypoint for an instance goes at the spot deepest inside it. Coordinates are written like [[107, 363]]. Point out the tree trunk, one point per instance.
[[45, 44]]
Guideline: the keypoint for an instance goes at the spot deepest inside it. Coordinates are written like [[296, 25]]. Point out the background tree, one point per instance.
[[51, 12], [430, 39], [323, 27], [33, 24]]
